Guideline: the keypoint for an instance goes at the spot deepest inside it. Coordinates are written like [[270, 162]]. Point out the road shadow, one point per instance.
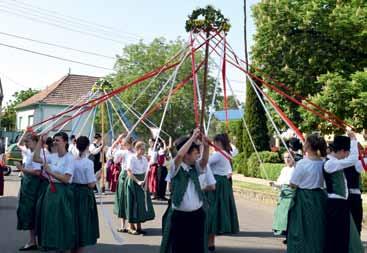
[[247, 250], [126, 248], [152, 231], [262, 234]]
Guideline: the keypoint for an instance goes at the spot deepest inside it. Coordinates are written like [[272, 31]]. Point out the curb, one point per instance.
[[256, 195]]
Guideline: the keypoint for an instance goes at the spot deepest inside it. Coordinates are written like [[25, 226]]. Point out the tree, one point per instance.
[[343, 96], [256, 121], [137, 59], [298, 41], [8, 118]]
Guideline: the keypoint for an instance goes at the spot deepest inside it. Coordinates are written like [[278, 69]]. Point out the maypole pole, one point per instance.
[[101, 86], [206, 20]]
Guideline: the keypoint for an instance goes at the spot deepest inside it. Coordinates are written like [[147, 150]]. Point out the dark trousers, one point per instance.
[[187, 231], [355, 205], [161, 181], [337, 226]]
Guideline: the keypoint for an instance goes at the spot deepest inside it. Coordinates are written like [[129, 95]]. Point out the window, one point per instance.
[[30, 120], [20, 123]]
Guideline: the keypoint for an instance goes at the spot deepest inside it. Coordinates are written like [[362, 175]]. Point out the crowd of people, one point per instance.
[[320, 204], [60, 177], [319, 207]]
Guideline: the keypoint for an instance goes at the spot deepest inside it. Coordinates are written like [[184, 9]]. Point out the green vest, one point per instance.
[[335, 183], [180, 183]]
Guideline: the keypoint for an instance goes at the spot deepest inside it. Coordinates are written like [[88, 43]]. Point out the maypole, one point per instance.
[[206, 20]]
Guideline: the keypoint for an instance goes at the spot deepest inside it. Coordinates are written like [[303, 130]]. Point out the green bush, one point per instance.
[[364, 182], [239, 164], [272, 170], [250, 168]]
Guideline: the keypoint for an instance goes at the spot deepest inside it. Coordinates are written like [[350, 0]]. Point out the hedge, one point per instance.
[[251, 167]]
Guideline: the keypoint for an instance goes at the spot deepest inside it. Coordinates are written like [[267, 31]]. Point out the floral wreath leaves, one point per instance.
[[207, 19]]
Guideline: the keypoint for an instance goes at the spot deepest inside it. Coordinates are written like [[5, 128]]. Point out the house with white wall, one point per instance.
[[54, 99]]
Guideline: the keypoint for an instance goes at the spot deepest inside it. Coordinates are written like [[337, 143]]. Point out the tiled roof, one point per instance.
[[65, 91]]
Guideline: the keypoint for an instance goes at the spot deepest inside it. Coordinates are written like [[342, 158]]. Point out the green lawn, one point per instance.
[[255, 187]]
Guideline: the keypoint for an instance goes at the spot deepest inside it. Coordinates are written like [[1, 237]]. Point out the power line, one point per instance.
[[74, 19], [56, 45], [62, 26], [13, 81], [55, 57], [36, 14]]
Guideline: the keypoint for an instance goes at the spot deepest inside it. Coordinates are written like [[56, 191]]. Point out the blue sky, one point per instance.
[[132, 20]]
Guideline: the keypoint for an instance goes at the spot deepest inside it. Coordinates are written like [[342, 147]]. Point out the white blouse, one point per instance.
[[308, 174], [136, 165], [123, 157], [83, 171], [29, 164], [219, 164], [207, 178], [285, 176], [62, 165]]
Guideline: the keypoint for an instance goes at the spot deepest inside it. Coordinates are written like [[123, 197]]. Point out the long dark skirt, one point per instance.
[[307, 220], [120, 197], [139, 206], [222, 212], [86, 216], [162, 183], [28, 195], [57, 218], [356, 209], [41, 194]]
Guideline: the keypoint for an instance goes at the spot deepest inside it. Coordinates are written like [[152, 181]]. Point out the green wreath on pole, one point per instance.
[[102, 85], [207, 19]]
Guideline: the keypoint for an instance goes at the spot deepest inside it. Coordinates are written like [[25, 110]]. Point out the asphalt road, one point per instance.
[[255, 225]]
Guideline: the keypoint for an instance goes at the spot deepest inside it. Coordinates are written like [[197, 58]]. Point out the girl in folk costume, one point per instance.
[[184, 229], [139, 207], [306, 224], [286, 195], [162, 170], [57, 205], [341, 233], [113, 170], [26, 211], [121, 159], [222, 213], [86, 214], [153, 167]]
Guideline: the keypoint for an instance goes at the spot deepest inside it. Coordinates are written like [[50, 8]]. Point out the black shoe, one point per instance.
[[28, 247], [211, 248], [141, 232]]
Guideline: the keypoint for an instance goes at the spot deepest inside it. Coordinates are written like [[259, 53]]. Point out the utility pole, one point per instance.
[[245, 31], [1, 101]]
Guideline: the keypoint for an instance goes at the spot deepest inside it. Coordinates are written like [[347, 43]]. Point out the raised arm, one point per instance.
[[185, 148], [37, 151]]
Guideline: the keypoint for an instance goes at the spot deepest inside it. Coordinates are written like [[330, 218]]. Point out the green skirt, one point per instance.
[[355, 243], [222, 212], [120, 200], [306, 226], [57, 223], [86, 216], [285, 203], [28, 195], [139, 207], [41, 193]]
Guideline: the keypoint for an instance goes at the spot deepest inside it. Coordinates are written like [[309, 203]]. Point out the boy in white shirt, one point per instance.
[[184, 229]]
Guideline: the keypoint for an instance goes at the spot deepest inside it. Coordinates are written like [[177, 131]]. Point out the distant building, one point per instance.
[[54, 99], [233, 114]]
